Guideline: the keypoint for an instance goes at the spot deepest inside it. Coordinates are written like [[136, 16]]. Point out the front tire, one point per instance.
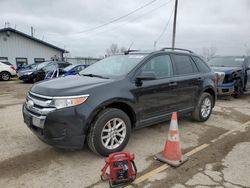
[[203, 109], [110, 132], [5, 76]]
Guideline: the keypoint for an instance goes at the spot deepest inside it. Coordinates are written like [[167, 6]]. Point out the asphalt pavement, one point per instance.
[[25, 161]]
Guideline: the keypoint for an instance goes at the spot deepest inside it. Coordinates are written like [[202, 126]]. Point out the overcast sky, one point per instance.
[[224, 24]]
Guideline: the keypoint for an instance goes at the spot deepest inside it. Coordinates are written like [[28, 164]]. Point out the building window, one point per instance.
[[21, 61], [3, 58], [39, 60], [55, 58]]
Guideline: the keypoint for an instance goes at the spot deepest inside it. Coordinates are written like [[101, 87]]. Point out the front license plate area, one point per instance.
[[37, 122]]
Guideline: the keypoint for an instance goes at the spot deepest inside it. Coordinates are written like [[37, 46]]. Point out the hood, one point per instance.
[[227, 70], [68, 86], [22, 72]]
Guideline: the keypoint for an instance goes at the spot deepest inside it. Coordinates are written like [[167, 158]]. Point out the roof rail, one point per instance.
[[180, 49], [128, 51]]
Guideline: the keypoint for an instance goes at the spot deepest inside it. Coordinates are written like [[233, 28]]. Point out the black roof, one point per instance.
[[32, 38]]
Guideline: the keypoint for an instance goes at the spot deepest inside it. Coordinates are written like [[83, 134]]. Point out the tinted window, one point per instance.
[[6, 63], [50, 67], [183, 65], [41, 65], [63, 65], [202, 66], [160, 65]]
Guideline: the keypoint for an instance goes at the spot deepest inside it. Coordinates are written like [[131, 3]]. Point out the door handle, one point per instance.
[[173, 84]]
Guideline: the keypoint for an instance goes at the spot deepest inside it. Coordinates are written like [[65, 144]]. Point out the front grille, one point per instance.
[[220, 77], [227, 79], [38, 104]]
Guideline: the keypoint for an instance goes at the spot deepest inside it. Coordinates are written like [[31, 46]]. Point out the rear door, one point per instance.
[[188, 80]]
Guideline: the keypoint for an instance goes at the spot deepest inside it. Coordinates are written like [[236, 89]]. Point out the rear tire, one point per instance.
[[109, 132], [203, 109], [5, 76]]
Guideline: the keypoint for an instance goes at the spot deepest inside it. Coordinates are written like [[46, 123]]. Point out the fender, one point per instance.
[[109, 103]]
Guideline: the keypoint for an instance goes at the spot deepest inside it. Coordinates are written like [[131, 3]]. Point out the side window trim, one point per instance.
[[194, 65], [203, 62]]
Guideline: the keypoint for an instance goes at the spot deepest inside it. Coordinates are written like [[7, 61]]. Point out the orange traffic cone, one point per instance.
[[172, 151]]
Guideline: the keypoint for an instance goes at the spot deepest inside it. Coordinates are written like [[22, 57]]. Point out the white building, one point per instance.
[[20, 48]]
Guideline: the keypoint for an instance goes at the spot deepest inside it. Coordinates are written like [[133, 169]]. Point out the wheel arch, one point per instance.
[[212, 93], [118, 104], [4, 72]]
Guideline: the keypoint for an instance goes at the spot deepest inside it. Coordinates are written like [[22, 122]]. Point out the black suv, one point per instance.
[[117, 94]]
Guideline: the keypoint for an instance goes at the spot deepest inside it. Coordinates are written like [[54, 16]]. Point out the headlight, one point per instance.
[[27, 73], [63, 102]]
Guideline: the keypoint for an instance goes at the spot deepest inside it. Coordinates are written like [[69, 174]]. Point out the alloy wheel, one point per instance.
[[113, 133], [5, 76], [206, 107]]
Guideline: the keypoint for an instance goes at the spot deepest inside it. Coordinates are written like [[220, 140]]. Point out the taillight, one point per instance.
[[13, 68]]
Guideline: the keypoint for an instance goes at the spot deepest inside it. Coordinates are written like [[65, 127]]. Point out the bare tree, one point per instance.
[[112, 50], [209, 53]]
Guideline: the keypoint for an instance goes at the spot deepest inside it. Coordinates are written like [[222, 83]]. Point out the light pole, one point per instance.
[[174, 24]]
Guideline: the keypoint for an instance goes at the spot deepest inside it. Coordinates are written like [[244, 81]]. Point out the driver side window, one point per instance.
[[161, 66]]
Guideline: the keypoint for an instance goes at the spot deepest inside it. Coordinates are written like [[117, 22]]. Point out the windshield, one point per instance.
[[41, 65], [32, 66], [226, 62], [114, 66]]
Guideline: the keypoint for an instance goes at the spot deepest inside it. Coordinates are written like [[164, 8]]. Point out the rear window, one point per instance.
[[202, 66], [63, 65], [183, 65], [6, 63]]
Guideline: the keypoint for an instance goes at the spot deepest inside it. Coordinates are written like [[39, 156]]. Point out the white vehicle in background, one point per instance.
[[7, 70]]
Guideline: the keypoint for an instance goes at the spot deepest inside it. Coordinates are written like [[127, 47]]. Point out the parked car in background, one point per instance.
[[69, 70], [7, 70], [39, 72], [27, 67], [117, 94], [233, 74], [73, 69]]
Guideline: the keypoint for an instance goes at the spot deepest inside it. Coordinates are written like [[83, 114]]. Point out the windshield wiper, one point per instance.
[[95, 75]]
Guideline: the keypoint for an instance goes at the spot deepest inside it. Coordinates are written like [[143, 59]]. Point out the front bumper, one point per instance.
[[226, 89], [63, 128], [25, 77]]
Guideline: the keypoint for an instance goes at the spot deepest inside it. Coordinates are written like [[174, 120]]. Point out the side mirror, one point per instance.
[[144, 76]]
